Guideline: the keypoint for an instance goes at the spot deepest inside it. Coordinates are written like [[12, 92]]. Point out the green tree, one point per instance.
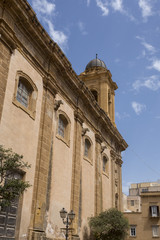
[[109, 225], [11, 186]]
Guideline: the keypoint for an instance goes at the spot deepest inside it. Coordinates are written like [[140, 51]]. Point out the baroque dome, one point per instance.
[[96, 63]]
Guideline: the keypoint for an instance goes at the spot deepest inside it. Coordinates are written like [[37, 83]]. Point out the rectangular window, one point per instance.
[[154, 210], [132, 202], [155, 231], [132, 231]]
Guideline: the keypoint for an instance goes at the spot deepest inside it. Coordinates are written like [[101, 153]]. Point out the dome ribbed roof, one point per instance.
[[96, 63]]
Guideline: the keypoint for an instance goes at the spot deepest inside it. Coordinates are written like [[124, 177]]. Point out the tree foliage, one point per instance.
[[11, 166], [109, 225]]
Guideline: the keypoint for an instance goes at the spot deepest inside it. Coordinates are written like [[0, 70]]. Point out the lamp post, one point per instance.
[[67, 219]]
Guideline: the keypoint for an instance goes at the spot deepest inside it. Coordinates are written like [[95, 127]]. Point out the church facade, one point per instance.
[[62, 124]]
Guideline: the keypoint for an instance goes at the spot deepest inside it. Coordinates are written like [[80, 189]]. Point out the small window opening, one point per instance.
[[95, 94], [87, 148], [105, 164]]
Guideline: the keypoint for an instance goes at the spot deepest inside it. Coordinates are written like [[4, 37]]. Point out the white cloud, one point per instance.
[[146, 8], [43, 6], [152, 82], [46, 10], [117, 5], [138, 107], [120, 116], [151, 49], [103, 6], [56, 35], [142, 54], [88, 2], [155, 65], [81, 26]]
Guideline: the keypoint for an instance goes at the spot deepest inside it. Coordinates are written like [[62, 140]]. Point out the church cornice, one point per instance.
[[7, 36]]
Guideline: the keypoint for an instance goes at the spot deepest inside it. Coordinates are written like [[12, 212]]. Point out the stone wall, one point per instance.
[[5, 56]]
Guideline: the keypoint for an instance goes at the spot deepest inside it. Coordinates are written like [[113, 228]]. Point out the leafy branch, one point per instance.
[[11, 184]]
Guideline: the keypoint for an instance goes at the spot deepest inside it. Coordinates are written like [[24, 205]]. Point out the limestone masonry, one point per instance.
[[62, 124]]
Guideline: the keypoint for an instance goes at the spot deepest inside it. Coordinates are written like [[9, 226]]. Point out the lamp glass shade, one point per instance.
[[71, 215], [63, 213]]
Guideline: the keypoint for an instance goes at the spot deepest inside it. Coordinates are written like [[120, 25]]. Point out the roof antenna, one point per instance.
[[96, 55]]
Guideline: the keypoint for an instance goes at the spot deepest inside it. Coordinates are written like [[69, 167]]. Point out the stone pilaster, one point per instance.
[[113, 158], [7, 46], [103, 98], [113, 107], [76, 172], [43, 163], [98, 176], [119, 190]]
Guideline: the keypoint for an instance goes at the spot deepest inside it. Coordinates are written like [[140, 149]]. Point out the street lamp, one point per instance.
[[67, 219]]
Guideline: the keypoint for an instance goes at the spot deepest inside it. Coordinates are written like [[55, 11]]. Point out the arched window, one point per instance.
[[95, 94], [105, 164], [62, 126], [88, 149], [63, 129], [25, 94]]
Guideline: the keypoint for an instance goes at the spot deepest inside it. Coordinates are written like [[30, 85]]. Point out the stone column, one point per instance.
[[113, 107], [98, 176], [103, 98], [7, 46], [76, 172], [113, 158], [119, 168], [43, 163]]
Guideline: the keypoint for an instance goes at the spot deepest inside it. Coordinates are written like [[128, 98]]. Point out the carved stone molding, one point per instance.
[[78, 117], [7, 35], [98, 138], [57, 104], [84, 130], [119, 161], [103, 148], [48, 83], [113, 155]]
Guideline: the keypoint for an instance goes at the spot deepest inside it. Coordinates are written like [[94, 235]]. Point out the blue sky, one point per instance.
[[126, 36]]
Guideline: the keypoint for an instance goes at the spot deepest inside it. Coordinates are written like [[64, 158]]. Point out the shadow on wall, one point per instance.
[[87, 234]]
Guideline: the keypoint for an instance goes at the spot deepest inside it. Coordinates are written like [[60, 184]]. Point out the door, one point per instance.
[[8, 221]]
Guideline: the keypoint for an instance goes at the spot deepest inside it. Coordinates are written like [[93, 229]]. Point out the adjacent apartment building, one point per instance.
[[62, 124], [143, 211]]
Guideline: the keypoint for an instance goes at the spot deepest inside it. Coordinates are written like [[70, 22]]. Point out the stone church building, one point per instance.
[[62, 124]]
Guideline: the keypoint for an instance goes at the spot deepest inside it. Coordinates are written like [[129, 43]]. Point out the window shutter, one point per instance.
[[150, 211], [158, 211]]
